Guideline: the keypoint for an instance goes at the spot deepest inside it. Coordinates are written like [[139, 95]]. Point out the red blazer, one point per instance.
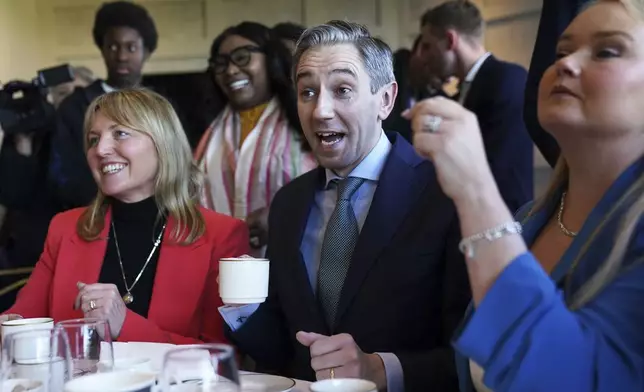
[[185, 298]]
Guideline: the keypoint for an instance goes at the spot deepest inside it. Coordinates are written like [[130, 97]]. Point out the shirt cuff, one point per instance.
[[236, 316], [393, 372]]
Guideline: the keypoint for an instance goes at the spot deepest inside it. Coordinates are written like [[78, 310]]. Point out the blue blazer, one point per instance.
[[525, 337], [556, 15]]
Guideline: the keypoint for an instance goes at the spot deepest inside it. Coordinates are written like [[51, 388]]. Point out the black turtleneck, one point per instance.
[[137, 227]]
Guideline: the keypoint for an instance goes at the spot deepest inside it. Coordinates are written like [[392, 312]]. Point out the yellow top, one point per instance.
[[248, 119]]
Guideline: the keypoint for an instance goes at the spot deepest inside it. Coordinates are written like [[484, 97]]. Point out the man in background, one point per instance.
[[452, 45], [126, 36]]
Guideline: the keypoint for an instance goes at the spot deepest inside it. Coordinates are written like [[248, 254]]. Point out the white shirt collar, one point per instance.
[[471, 74], [371, 166], [107, 88]]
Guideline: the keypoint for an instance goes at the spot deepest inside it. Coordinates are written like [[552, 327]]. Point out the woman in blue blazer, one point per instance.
[[560, 308]]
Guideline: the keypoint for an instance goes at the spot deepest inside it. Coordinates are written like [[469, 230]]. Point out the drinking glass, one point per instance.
[[89, 345], [39, 355], [200, 368]]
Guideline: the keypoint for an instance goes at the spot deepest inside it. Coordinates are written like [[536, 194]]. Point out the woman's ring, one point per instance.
[[92, 305], [431, 124]]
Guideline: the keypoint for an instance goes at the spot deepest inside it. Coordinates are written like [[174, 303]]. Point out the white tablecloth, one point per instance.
[[156, 351]]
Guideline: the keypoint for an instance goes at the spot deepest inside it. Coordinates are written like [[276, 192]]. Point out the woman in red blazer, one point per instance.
[[143, 255]]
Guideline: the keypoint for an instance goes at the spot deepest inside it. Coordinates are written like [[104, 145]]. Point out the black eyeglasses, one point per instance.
[[240, 57]]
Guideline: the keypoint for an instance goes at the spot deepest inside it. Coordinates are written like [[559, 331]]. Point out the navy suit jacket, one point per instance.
[[406, 289], [496, 97], [556, 15]]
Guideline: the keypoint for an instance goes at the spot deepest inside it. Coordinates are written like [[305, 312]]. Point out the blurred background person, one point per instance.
[[255, 144], [415, 83], [453, 46], [83, 77], [126, 36], [289, 33]]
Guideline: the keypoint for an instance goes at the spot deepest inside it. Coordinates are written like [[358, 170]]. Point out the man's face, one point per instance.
[[438, 57], [340, 115], [124, 55]]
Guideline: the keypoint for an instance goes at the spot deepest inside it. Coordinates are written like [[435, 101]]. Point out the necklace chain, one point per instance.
[[128, 298], [563, 228]]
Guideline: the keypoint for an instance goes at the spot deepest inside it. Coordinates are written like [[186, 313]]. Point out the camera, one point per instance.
[[23, 105]]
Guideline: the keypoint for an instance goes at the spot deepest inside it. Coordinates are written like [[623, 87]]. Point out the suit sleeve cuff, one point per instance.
[[393, 372], [236, 316]]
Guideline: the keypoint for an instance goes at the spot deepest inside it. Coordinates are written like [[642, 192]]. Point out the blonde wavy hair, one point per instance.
[[613, 265], [178, 180]]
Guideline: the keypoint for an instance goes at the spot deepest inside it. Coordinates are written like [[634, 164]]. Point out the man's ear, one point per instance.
[[451, 39], [388, 95]]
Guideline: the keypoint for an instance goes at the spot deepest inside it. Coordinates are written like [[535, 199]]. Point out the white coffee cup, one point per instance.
[[28, 345], [27, 324], [119, 381], [243, 280], [343, 385]]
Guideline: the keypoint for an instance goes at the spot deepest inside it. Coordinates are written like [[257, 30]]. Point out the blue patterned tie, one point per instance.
[[340, 238]]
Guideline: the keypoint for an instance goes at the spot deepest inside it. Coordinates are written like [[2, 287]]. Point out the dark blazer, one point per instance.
[[405, 291], [70, 176], [556, 15], [496, 97]]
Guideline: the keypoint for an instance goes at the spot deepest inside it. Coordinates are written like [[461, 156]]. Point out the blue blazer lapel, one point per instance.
[[401, 183]]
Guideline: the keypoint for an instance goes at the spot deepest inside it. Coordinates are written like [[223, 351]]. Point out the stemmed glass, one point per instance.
[[200, 368]]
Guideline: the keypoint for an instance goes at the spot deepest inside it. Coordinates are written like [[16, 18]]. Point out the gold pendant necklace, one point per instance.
[[562, 227], [128, 298]]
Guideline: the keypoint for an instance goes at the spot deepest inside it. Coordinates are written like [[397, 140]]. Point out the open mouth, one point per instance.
[[113, 168], [330, 138], [238, 85]]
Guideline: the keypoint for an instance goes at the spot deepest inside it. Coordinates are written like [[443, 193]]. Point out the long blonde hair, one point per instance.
[[613, 264], [178, 180]]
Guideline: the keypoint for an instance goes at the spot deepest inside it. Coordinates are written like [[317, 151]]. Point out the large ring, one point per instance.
[[92, 305], [332, 373], [431, 124]]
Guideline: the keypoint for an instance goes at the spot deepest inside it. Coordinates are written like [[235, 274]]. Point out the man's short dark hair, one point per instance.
[[288, 30], [462, 16], [125, 14]]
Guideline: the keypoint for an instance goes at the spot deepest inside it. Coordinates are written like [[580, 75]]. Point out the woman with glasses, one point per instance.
[[255, 145]]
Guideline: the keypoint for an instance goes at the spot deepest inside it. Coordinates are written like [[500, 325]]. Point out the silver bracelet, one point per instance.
[[467, 245]]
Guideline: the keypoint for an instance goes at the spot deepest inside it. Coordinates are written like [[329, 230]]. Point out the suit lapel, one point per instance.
[[399, 181], [474, 89], [293, 232], [181, 275]]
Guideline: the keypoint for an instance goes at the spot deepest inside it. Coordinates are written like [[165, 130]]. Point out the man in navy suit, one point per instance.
[[452, 45], [366, 278], [556, 15]]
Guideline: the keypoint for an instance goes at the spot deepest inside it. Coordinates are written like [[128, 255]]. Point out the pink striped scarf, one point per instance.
[[240, 180]]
